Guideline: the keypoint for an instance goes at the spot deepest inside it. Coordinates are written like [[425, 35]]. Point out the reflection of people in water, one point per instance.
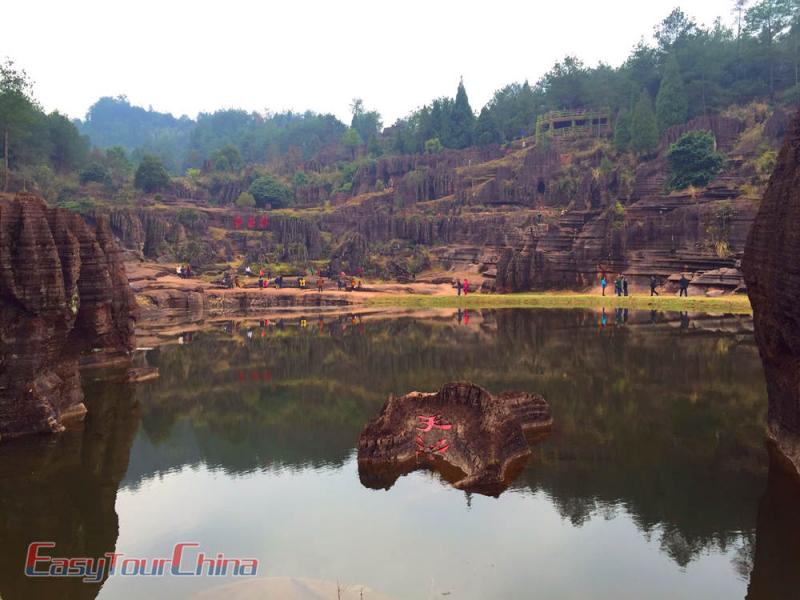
[[459, 316], [603, 318], [466, 316], [653, 316], [684, 320]]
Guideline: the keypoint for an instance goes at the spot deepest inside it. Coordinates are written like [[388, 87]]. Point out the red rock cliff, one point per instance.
[[772, 271], [64, 297]]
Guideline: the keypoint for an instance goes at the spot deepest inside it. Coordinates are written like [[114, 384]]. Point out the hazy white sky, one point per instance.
[[187, 57]]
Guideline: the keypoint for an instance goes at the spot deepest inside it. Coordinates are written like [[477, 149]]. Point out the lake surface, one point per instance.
[[652, 484]]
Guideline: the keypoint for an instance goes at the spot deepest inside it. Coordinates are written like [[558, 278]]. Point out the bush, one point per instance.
[[151, 176], [270, 190], [95, 172], [693, 160], [765, 164], [245, 200], [433, 146]]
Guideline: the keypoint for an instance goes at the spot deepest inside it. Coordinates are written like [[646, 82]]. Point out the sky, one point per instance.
[[186, 57]]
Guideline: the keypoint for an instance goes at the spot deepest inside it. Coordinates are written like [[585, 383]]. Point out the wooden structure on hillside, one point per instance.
[[574, 123]]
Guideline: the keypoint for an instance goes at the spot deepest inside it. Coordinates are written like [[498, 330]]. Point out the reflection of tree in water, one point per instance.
[[663, 423], [63, 489]]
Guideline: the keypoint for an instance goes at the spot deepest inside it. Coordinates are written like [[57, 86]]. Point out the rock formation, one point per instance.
[[772, 270], [474, 440], [64, 299]]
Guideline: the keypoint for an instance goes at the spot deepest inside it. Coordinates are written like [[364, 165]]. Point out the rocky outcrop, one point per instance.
[[772, 270], [476, 441], [64, 299]]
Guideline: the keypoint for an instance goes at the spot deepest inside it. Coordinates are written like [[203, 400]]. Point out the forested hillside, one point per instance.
[[686, 70]]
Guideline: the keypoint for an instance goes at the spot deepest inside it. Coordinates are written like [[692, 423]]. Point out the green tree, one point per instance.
[[151, 176], [118, 165], [245, 200], [17, 111], [268, 189], [693, 160], [352, 141], [367, 123], [486, 130], [768, 19], [68, 148], [644, 129], [95, 172], [433, 146], [462, 121], [227, 158], [622, 131], [672, 103]]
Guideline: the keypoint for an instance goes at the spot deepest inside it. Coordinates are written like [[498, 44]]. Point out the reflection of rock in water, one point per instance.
[[63, 291], [776, 565], [474, 440], [64, 490], [771, 269]]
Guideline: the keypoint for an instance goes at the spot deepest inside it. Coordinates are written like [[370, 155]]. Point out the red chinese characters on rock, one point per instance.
[[252, 223], [429, 423]]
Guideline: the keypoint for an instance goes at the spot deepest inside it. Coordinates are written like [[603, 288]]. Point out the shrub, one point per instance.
[[693, 160], [268, 189], [151, 176], [95, 172], [245, 200]]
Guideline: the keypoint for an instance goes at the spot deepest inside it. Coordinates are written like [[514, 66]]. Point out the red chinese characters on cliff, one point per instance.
[[432, 423], [262, 222]]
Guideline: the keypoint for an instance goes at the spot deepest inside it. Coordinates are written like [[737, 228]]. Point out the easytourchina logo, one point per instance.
[[186, 560]]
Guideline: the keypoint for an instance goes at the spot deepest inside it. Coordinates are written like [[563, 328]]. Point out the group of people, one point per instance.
[[348, 284], [462, 286], [184, 271], [342, 282], [621, 285]]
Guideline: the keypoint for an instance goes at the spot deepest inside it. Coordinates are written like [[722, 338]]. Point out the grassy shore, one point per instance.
[[738, 304]]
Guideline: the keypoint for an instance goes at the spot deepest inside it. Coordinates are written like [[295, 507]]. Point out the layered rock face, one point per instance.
[[772, 270], [476, 441], [64, 299]]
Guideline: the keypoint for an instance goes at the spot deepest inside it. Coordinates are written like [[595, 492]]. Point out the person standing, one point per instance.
[[458, 287], [603, 283], [618, 286], [624, 286], [320, 284], [653, 285], [466, 286], [684, 286]]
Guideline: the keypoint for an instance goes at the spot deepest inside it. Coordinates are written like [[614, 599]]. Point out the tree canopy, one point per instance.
[[151, 176], [269, 190], [693, 160]]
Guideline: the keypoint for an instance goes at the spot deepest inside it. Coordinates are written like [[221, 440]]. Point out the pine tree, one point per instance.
[[462, 121], [486, 129], [622, 131], [672, 102], [644, 129]]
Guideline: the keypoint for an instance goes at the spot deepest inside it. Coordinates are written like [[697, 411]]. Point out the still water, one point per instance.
[[654, 483]]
